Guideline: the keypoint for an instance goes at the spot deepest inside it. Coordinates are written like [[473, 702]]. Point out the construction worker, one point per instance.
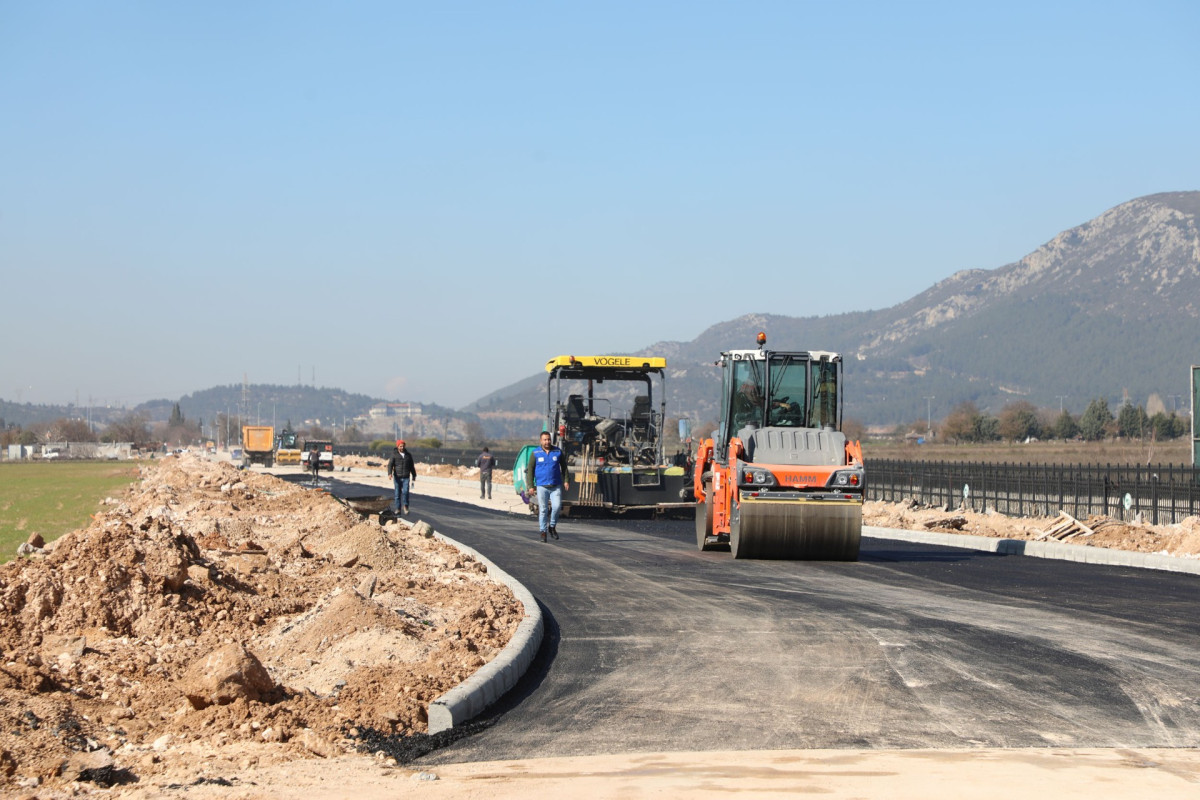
[[486, 463], [547, 470], [401, 468]]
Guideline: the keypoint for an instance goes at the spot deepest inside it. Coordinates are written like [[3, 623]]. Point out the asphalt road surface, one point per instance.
[[653, 645]]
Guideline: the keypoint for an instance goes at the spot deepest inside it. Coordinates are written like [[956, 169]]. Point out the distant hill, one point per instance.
[[1107, 308]]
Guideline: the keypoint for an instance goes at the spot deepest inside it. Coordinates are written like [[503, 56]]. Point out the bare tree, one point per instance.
[[473, 430], [71, 430], [130, 428]]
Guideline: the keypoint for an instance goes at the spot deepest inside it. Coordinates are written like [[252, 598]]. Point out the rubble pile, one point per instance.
[[215, 615], [1180, 539]]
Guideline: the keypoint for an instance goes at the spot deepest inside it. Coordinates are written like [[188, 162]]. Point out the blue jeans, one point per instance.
[[549, 503], [401, 501]]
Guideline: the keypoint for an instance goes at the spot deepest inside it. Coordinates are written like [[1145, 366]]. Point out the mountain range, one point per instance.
[[1108, 309]]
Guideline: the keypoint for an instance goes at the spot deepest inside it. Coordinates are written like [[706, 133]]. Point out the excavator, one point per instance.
[[779, 480]]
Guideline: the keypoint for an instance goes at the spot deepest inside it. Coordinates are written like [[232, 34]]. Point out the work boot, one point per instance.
[[553, 532]]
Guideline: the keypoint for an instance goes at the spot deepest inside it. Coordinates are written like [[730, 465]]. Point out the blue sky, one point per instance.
[[459, 191]]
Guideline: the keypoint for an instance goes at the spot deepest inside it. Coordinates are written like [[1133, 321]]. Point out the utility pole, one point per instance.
[[929, 414], [1061, 397]]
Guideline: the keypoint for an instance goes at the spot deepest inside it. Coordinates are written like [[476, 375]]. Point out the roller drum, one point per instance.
[[797, 530]]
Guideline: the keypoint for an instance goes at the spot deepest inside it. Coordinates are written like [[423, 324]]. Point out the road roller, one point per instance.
[[779, 479]]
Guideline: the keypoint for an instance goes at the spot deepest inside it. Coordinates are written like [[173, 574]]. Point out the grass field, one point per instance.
[[54, 498]]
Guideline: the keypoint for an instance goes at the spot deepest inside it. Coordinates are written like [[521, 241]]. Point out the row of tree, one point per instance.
[[136, 427], [1022, 421]]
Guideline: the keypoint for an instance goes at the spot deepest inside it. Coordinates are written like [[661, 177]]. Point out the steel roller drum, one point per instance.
[[797, 530]]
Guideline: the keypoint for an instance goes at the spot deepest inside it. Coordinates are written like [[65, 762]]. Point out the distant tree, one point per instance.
[[228, 428], [1019, 421], [966, 423], [706, 429], [959, 424], [27, 437], [352, 435], [473, 432], [987, 428], [431, 442], [130, 428], [854, 429], [1182, 425], [72, 430], [1093, 425], [176, 417], [1131, 421], [319, 433], [1065, 427]]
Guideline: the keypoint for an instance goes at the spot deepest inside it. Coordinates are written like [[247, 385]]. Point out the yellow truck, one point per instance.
[[258, 445]]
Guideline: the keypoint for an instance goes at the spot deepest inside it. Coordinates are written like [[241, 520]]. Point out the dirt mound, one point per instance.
[[1181, 539], [219, 614]]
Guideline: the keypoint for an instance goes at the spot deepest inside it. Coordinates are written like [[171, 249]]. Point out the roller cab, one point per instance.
[[779, 480]]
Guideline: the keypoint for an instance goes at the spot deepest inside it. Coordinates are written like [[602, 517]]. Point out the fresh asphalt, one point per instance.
[[653, 645]]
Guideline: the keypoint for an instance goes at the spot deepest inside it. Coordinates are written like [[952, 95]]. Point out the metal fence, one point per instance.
[[1163, 494]]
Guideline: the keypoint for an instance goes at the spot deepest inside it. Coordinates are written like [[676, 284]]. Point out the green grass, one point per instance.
[[54, 498]]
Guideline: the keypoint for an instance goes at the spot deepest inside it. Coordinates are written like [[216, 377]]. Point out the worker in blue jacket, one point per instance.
[[547, 470]]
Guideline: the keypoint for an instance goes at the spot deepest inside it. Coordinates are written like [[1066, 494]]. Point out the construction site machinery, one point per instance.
[[600, 411], [287, 451], [779, 479], [317, 456], [258, 445]]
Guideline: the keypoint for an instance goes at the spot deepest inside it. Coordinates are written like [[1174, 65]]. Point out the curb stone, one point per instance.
[[1055, 550], [489, 683]]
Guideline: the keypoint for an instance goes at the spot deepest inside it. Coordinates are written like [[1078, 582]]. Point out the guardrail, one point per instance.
[[1165, 493]]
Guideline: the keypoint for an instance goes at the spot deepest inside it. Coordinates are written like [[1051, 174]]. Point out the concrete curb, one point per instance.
[[1056, 550], [500, 674]]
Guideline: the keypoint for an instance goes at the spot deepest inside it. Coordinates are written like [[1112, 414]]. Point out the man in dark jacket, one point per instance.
[[401, 468], [486, 462]]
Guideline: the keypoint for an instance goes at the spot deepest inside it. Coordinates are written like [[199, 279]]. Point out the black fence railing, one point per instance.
[[1163, 494]]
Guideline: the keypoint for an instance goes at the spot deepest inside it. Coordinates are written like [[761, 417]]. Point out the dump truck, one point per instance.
[[606, 413], [779, 479], [287, 451], [258, 445]]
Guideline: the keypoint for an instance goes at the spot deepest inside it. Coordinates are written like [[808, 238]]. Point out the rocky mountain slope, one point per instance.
[[1106, 308]]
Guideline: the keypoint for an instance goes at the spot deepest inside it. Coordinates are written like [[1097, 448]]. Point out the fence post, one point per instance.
[[1153, 476]]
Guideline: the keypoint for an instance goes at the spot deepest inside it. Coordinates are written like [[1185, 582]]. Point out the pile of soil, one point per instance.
[[1180, 539], [215, 617]]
